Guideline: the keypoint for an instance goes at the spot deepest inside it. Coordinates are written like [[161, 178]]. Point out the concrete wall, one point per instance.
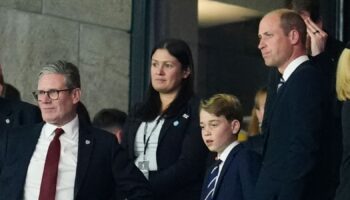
[[94, 35]]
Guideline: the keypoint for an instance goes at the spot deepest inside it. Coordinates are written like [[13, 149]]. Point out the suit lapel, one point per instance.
[[276, 96], [274, 100], [165, 127], [85, 148], [175, 120], [227, 164]]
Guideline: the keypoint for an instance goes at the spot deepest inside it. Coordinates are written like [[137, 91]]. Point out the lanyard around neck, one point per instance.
[[146, 140]]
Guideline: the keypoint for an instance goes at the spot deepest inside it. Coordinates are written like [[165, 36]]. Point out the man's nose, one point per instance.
[[261, 44]]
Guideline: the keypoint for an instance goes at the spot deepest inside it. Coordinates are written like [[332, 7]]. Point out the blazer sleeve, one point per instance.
[[249, 167], [128, 138], [129, 180], [343, 192], [328, 59], [2, 148]]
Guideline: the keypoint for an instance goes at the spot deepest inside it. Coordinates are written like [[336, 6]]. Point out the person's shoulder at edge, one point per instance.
[[27, 113], [18, 104]]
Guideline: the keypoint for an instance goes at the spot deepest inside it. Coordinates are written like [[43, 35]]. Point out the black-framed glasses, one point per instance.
[[52, 94]]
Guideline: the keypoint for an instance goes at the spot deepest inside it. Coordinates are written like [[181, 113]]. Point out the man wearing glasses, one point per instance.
[[64, 158]]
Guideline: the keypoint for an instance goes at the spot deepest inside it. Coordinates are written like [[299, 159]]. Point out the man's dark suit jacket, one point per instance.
[[238, 175], [181, 154], [293, 126], [102, 165], [16, 113], [343, 191]]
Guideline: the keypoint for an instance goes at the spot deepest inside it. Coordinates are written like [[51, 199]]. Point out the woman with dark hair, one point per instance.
[[162, 134]]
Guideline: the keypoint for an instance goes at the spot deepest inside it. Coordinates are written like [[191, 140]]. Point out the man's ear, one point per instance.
[[235, 126], [76, 94], [294, 36]]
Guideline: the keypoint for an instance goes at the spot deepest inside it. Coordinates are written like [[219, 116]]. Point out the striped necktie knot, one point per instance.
[[280, 83]]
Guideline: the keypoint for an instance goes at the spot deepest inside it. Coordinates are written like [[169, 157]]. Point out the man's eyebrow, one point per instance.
[[267, 33]]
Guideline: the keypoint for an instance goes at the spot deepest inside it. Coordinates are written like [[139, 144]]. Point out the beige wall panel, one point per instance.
[[30, 40], [25, 5], [112, 13], [104, 66]]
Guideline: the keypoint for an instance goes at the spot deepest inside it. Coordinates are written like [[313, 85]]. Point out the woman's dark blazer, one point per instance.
[[181, 153], [343, 191]]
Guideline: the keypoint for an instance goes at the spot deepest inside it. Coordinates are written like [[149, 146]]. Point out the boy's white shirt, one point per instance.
[[223, 156]]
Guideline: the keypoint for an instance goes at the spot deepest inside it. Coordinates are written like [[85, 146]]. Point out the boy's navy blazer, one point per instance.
[[238, 175]]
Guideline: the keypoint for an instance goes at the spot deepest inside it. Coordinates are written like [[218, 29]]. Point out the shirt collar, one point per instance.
[[293, 66], [222, 156], [71, 129]]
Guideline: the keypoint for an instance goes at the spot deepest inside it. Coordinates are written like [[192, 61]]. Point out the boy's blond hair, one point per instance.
[[223, 104]]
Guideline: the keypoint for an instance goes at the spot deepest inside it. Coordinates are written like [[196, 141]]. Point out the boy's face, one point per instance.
[[217, 132]]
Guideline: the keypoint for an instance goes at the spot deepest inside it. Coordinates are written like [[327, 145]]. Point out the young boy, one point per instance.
[[235, 171]]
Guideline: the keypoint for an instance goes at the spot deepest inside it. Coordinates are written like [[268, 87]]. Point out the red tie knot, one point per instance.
[[58, 132]]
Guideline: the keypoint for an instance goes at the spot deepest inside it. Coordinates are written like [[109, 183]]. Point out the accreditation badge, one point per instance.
[[144, 167]]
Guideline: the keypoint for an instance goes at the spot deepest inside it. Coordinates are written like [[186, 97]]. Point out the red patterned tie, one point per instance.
[[49, 179]]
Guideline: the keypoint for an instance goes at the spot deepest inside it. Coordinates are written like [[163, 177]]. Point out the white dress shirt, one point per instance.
[[223, 155], [67, 163]]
